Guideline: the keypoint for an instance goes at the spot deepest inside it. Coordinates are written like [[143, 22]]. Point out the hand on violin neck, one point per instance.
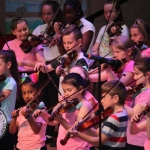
[[15, 113], [135, 118]]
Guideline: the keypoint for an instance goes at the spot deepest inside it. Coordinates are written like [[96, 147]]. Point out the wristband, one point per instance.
[[55, 64]]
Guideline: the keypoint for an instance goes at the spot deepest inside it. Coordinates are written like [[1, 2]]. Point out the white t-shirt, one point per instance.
[[49, 53], [104, 47], [8, 105]]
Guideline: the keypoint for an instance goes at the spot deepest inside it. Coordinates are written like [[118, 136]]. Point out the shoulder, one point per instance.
[[125, 30], [129, 66], [87, 25], [40, 29]]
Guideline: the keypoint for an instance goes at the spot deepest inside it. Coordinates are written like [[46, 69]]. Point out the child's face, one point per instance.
[[120, 54], [69, 41], [136, 35], [78, 71], [47, 13], [28, 92], [22, 31], [137, 75], [107, 12], [69, 90], [107, 101], [3, 67], [69, 14]]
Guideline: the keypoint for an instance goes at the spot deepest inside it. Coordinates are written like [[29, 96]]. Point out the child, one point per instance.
[[112, 14], [140, 32], [26, 59], [141, 68], [8, 88], [48, 10], [72, 40], [113, 132], [71, 83], [31, 131], [123, 48], [74, 14], [83, 72]]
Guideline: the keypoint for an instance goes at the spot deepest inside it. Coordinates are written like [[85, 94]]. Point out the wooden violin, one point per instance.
[[115, 28], [64, 108], [146, 109], [135, 89], [86, 124]]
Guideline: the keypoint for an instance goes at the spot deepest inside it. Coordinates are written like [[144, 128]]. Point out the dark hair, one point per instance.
[[123, 43], [144, 28], [119, 90], [74, 79], [116, 4], [17, 20], [73, 29], [84, 71], [54, 4], [76, 5], [9, 56], [143, 64]]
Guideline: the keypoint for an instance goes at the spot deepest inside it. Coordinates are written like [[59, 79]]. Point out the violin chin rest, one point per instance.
[[41, 105]]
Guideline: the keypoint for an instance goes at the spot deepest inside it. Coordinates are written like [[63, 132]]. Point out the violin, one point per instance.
[[135, 89], [115, 28], [86, 124], [66, 60], [147, 109], [64, 108]]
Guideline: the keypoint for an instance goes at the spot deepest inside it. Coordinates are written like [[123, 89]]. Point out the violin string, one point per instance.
[[53, 17]]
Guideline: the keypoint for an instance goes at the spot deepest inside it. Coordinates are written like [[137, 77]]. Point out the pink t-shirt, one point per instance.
[[20, 55], [72, 143], [27, 139], [139, 138], [147, 145], [146, 52]]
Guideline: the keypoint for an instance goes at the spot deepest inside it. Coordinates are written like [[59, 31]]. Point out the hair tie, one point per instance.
[[34, 77]]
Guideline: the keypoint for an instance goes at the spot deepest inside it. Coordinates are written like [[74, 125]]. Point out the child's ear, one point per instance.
[[8, 65], [129, 51], [80, 42], [13, 32], [80, 89], [147, 75], [116, 98]]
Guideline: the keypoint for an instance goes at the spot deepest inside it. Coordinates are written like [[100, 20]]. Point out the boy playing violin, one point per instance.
[[113, 131]]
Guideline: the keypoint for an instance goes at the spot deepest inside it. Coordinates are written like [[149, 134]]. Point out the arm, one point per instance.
[[6, 94], [148, 124], [86, 38], [136, 127]]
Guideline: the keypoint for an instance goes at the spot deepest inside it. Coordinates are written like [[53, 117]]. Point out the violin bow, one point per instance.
[[53, 17], [5, 39]]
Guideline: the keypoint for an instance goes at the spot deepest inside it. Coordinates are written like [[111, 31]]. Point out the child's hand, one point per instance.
[[59, 71], [15, 113], [40, 67], [135, 118], [38, 112], [73, 132]]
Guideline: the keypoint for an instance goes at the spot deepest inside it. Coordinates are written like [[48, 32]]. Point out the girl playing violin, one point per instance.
[[8, 88], [71, 83], [74, 15], [31, 131], [114, 128], [140, 34], [116, 26], [141, 70], [122, 48], [26, 59]]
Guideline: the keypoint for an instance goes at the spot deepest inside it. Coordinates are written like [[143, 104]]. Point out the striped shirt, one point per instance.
[[115, 128]]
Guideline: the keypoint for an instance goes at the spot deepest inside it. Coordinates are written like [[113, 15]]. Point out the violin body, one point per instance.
[[64, 108], [135, 89]]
